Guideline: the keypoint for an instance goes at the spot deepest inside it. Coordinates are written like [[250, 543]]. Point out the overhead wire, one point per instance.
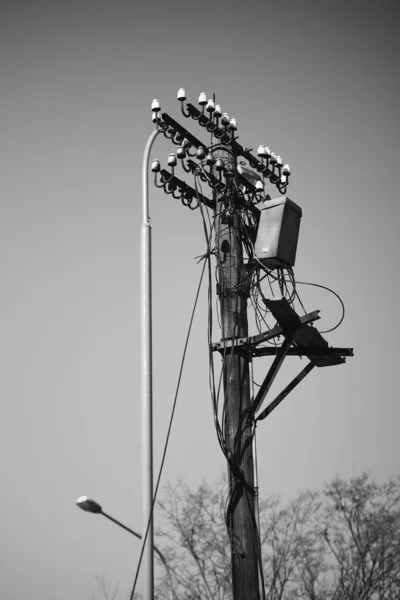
[[324, 287]]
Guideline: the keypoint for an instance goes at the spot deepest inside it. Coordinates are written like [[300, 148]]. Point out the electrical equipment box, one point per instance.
[[278, 232]]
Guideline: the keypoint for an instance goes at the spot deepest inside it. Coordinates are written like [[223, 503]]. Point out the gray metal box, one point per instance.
[[278, 232]]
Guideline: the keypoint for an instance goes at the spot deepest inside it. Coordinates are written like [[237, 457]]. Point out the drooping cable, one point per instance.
[[324, 287], [164, 454]]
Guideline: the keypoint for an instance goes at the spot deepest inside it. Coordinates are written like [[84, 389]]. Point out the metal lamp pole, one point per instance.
[[147, 384]]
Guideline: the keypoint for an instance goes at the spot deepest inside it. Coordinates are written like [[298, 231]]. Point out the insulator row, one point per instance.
[[223, 127]]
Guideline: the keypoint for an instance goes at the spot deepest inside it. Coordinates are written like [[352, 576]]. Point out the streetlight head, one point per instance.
[[155, 106], [181, 95], [88, 505]]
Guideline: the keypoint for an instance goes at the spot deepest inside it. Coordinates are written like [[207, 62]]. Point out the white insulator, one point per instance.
[[217, 111], [261, 150], [155, 166], [210, 159], [267, 151], [172, 160], [181, 95], [286, 170], [202, 99], [210, 106], [233, 125], [155, 106], [279, 161], [225, 119], [272, 158], [219, 165]]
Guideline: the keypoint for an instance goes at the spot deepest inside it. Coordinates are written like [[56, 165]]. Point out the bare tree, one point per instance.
[[291, 550], [362, 533], [195, 545], [339, 544], [101, 582]]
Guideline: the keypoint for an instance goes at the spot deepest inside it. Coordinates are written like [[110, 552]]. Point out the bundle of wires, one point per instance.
[[239, 489]]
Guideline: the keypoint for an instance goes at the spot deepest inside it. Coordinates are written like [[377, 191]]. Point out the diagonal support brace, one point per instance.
[[295, 382], [273, 371]]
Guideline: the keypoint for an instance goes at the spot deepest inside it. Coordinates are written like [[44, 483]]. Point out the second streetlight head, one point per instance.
[[88, 505]]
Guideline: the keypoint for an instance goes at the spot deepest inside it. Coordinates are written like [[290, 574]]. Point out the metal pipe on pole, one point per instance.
[[147, 383]]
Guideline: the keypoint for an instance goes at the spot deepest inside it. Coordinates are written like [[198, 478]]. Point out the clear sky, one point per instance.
[[316, 81]]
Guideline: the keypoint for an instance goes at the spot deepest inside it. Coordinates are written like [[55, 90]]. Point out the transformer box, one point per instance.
[[278, 232]]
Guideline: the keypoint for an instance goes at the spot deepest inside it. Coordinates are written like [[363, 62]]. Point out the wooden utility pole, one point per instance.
[[233, 294]]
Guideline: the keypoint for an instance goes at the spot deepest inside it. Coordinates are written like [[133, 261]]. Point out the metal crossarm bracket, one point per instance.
[[236, 147], [184, 132], [278, 330], [306, 340], [255, 340], [309, 351], [175, 183]]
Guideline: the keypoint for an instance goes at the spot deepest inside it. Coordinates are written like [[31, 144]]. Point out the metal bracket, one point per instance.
[[272, 373], [194, 141], [174, 182], [255, 340], [306, 340]]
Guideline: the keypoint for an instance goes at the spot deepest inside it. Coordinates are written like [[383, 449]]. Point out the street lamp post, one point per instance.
[[147, 382], [88, 504]]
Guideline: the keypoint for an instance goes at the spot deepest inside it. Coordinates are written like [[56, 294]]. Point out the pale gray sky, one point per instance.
[[316, 81]]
